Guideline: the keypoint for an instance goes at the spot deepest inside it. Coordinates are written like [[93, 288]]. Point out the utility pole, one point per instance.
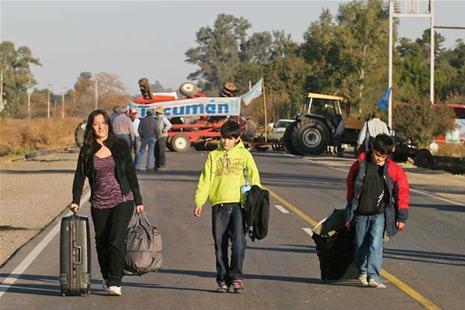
[[28, 104], [1, 91], [48, 102], [63, 105], [96, 93]]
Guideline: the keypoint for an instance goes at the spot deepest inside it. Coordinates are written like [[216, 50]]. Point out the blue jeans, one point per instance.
[[227, 224], [150, 142], [368, 241]]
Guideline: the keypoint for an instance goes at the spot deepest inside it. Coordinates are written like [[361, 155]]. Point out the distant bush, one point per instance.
[[421, 122], [21, 135]]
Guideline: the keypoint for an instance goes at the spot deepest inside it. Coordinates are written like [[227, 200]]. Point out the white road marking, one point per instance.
[[436, 197], [411, 189], [308, 231], [282, 209], [16, 274]]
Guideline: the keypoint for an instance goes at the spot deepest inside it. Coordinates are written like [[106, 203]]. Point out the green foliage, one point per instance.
[[409, 121], [217, 51], [17, 76], [344, 53]]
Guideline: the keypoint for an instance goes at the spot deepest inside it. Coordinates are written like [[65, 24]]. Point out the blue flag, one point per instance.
[[384, 101]]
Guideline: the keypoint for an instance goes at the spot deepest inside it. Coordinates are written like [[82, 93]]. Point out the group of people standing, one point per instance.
[[147, 134]]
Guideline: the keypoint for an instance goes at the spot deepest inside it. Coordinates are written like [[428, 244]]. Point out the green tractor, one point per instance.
[[320, 124]]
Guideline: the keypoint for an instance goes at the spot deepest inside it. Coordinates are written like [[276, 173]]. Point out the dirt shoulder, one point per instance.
[[32, 193]]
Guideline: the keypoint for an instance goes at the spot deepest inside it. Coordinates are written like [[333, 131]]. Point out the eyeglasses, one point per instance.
[[229, 138]]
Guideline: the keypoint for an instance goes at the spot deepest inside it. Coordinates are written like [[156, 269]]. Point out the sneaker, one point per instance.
[[105, 286], [238, 286], [162, 168], [114, 291], [222, 287], [363, 279], [376, 284]]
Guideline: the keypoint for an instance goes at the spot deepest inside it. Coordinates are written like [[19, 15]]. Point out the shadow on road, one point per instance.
[[426, 257], [45, 285], [11, 171], [286, 250], [440, 207]]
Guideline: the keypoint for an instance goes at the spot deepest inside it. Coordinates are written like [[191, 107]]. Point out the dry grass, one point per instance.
[[451, 150], [18, 136]]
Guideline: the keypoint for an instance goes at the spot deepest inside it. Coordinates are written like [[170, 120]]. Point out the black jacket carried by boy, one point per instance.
[[257, 213], [124, 168]]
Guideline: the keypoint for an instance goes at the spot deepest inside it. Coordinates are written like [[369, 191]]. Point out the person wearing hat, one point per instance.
[[147, 135], [162, 125]]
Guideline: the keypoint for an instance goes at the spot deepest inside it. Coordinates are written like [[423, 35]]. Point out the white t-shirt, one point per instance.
[[136, 123]]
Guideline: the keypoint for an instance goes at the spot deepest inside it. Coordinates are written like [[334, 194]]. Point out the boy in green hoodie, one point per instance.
[[220, 182]]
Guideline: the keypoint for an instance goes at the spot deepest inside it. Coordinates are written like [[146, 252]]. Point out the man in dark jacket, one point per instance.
[[147, 136], [377, 199]]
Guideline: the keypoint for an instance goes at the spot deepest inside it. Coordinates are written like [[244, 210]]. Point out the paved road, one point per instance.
[[282, 270]]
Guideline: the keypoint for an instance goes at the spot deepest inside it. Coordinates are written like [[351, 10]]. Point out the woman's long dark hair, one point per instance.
[[89, 137]]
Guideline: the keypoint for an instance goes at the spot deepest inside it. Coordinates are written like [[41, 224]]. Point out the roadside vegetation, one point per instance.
[[24, 136], [342, 54]]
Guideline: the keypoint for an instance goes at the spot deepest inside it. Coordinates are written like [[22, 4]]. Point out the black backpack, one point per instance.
[[257, 213]]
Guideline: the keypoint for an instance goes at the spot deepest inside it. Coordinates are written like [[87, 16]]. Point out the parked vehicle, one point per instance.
[[315, 127], [277, 132]]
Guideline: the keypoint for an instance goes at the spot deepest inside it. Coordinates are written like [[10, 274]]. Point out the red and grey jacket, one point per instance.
[[396, 182]]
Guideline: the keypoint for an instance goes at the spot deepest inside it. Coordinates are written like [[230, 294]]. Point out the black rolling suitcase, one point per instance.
[[75, 256], [334, 246]]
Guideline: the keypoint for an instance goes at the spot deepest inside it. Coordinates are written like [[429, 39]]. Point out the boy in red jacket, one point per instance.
[[377, 200]]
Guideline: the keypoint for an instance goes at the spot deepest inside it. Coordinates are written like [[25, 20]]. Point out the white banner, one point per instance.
[[193, 107], [254, 92]]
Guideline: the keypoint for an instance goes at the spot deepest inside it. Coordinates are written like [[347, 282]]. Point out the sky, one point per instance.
[[149, 38]]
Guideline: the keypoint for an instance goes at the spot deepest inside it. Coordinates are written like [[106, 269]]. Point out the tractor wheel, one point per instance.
[[262, 148], [424, 159], [79, 133], [310, 136], [188, 89], [288, 144], [180, 143], [199, 145]]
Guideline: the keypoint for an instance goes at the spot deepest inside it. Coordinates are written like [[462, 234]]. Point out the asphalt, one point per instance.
[[281, 271]]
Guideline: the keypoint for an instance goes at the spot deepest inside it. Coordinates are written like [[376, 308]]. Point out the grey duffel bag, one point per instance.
[[143, 248]]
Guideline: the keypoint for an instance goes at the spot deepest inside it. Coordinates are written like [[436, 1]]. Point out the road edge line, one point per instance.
[[26, 262], [427, 303]]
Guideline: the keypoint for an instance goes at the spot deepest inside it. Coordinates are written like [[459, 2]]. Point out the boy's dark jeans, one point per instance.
[[110, 237], [227, 224]]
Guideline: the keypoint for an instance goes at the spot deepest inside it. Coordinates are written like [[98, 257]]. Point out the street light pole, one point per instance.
[[431, 87], [391, 10]]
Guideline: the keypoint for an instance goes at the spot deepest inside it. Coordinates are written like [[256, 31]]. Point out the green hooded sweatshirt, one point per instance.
[[223, 176]]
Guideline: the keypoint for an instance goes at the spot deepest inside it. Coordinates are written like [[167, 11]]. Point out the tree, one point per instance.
[[409, 121], [217, 53], [110, 91], [344, 54], [17, 75]]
